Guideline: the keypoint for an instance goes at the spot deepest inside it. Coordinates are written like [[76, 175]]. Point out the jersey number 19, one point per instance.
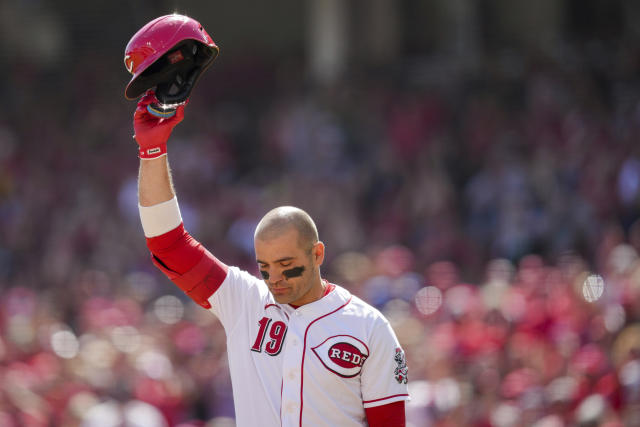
[[277, 331]]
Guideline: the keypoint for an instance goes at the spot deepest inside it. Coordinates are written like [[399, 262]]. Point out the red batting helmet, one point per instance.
[[169, 52]]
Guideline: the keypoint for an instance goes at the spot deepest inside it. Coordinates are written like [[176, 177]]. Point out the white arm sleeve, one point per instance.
[[161, 218]]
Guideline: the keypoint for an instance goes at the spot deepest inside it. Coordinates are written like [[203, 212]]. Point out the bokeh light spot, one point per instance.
[[428, 300], [126, 338], [65, 344], [593, 288], [169, 309]]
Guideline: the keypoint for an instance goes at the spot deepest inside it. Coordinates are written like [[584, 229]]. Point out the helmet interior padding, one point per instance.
[[175, 73]]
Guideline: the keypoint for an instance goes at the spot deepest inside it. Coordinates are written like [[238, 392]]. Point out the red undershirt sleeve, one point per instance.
[[389, 415], [187, 264]]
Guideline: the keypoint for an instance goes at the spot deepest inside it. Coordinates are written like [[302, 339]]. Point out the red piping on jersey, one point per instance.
[[384, 398], [304, 350]]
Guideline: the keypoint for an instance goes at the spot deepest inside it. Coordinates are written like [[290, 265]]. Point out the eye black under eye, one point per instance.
[[293, 272], [265, 274]]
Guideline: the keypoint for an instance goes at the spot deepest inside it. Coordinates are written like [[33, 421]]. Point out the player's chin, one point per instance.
[[281, 295]]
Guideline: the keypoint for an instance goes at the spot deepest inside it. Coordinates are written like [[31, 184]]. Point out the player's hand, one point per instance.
[[151, 132]]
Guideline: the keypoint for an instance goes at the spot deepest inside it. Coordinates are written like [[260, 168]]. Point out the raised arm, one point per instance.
[[152, 134], [154, 182], [174, 251]]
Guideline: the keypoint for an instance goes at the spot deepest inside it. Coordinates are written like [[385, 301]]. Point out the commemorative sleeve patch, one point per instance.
[[402, 370]]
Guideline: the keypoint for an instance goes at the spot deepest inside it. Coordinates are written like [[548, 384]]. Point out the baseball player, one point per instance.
[[302, 351]]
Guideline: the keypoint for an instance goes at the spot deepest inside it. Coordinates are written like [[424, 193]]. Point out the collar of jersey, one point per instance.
[[334, 299]]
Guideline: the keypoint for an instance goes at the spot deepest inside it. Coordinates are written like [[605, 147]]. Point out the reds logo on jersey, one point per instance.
[[343, 355]]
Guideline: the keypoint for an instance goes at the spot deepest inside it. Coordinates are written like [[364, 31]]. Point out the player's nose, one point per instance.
[[275, 276]]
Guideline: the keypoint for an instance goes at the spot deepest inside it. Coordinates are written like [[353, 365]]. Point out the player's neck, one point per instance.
[[317, 291]]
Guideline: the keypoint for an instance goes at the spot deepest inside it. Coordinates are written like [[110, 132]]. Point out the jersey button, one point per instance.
[[290, 407]]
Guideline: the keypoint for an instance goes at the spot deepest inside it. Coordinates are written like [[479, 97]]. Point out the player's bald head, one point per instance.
[[284, 218]]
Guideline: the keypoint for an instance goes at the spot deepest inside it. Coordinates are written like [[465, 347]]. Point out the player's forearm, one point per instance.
[[183, 259], [154, 182]]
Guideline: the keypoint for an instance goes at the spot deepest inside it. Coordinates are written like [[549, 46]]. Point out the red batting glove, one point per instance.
[[152, 133]]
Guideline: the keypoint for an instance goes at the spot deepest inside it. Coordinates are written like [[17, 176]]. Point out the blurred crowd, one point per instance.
[[490, 212]]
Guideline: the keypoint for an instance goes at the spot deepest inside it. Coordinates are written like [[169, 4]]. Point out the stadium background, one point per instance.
[[470, 164]]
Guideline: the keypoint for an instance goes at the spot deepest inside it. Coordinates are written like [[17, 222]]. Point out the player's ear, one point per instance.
[[317, 253]]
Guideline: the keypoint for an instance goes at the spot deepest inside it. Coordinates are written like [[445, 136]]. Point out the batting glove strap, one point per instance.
[[152, 152]]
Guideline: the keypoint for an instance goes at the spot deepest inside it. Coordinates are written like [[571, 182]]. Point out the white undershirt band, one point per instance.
[[161, 218]]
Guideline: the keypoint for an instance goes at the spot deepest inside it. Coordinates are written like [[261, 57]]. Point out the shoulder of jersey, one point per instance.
[[364, 309], [237, 273]]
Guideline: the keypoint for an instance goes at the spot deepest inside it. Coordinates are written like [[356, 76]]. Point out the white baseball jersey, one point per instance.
[[319, 364]]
